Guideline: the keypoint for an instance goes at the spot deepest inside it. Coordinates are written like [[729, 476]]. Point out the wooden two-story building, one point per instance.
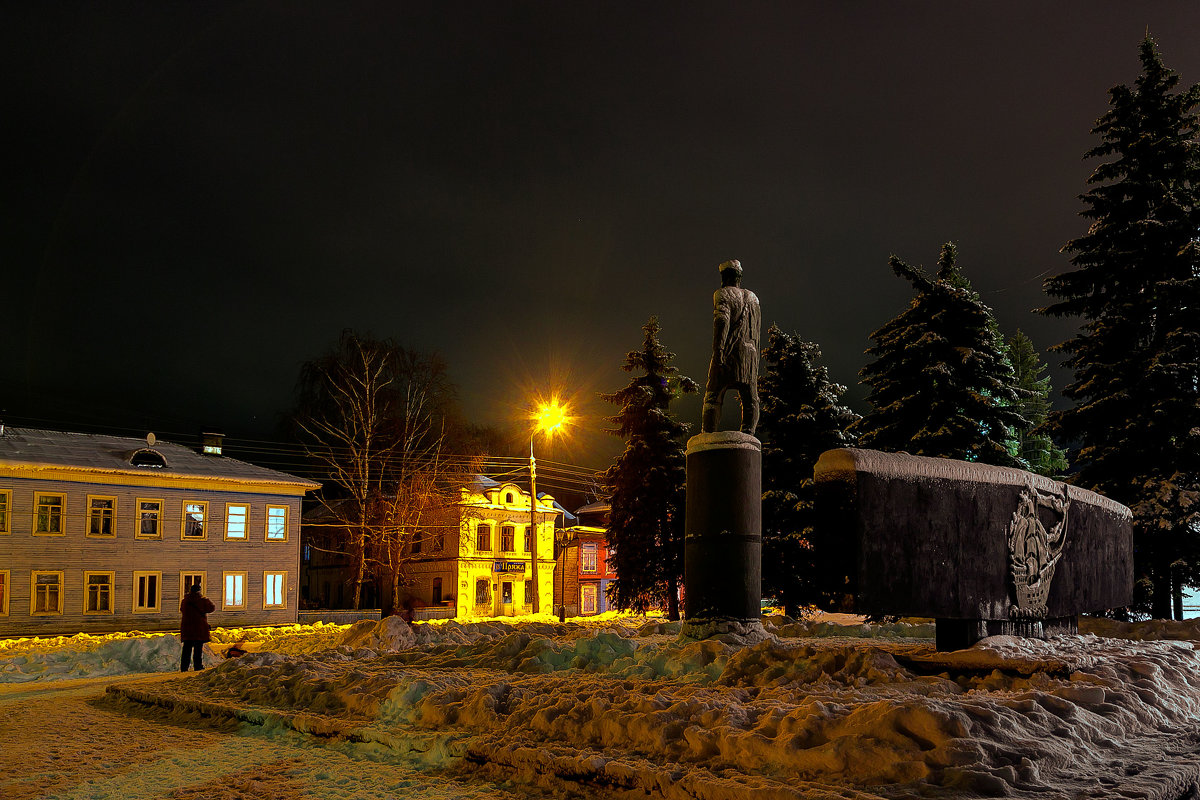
[[103, 533], [585, 566]]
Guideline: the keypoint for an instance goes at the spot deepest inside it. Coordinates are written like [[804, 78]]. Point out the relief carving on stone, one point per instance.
[[1034, 549]]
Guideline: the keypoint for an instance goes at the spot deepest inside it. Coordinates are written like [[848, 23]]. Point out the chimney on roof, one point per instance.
[[210, 443]]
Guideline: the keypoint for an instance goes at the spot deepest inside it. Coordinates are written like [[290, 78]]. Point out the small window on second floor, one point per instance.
[[194, 516], [483, 538], [277, 524], [149, 521], [508, 535], [102, 516], [5, 506], [235, 520], [587, 557], [48, 513], [528, 539]]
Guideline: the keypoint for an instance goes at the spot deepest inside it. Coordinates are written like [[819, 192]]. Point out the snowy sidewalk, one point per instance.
[[636, 708]]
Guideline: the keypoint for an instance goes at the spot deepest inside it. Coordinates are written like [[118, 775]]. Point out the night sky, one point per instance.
[[197, 197]]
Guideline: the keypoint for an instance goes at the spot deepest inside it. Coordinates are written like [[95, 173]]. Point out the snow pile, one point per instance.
[[637, 707], [84, 656]]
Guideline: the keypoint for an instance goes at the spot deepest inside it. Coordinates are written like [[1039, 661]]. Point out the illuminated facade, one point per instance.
[[481, 565], [585, 566], [105, 533]]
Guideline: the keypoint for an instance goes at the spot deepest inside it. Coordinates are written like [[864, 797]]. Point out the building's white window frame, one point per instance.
[[274, 588], [93, 517], [588, 591], [140, 515], [226, 605], [5, 591], [185, 584], [62, 513], [33, 592], [109, 592], [5, 511], [270, 535], [230, 518], [203, 504], [142, 581], [589, 558]]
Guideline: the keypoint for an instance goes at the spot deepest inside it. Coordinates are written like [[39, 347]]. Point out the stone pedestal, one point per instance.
[[722, 550]]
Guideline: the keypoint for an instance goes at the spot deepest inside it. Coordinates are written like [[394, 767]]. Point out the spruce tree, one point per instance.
[[1032, 446], [940, 384], [1136, 357], [648, 481], [802, 416]]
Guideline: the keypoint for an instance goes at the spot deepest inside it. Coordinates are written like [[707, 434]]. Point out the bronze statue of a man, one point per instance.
[[734, 363]]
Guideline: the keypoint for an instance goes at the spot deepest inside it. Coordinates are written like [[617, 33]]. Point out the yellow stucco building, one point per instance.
[[484, 567]]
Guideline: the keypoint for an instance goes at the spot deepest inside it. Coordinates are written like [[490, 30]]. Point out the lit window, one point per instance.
[[587, 557], [48, 513], [235, 521], [508, 534], [146, 595], [528, 539], [587, 599], [5, 507], [274, 590], [97, 588], [483, 538], [188, 579], [101, 516], [234, 594], [194, 515], [482, 595], [46, 596], [3, 593], [149, 522], [277, 523]]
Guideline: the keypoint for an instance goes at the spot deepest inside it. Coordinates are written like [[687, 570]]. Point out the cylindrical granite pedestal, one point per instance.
[[722, 549]]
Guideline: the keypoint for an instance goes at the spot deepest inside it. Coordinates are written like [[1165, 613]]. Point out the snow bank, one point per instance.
[[84, 656], [635, 706]]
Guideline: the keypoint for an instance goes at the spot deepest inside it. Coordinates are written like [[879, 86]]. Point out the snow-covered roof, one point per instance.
[[598, 507], [31, 448]]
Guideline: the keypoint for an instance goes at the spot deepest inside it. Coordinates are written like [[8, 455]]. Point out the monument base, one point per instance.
[[959, 634], [722, 548]]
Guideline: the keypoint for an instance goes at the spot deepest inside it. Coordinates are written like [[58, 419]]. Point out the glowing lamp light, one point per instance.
[[551, 416]]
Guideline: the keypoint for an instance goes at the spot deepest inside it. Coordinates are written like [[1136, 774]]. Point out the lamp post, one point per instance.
[[549, 418]]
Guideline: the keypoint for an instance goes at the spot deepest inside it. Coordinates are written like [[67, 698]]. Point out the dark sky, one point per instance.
[[199, 196]]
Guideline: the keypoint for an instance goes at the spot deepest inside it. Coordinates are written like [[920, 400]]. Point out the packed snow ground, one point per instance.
[[817, 710]]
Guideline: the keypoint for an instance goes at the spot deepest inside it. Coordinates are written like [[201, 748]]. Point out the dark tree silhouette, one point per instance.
[[1136, 357], [940, 384], [647, 481], [802, 416]]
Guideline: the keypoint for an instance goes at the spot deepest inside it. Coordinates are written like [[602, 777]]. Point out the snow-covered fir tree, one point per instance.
[[802, 416], [1032, 446], [940, 384], [647, 482], [1136, 357]]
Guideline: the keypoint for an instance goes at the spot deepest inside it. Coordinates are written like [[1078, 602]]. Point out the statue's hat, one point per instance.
[[732, 264]]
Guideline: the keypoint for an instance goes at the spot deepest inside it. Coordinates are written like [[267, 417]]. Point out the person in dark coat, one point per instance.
[[194, 630]]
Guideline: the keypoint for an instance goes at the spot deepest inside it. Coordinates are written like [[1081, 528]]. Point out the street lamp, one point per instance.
[[549, 417]]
